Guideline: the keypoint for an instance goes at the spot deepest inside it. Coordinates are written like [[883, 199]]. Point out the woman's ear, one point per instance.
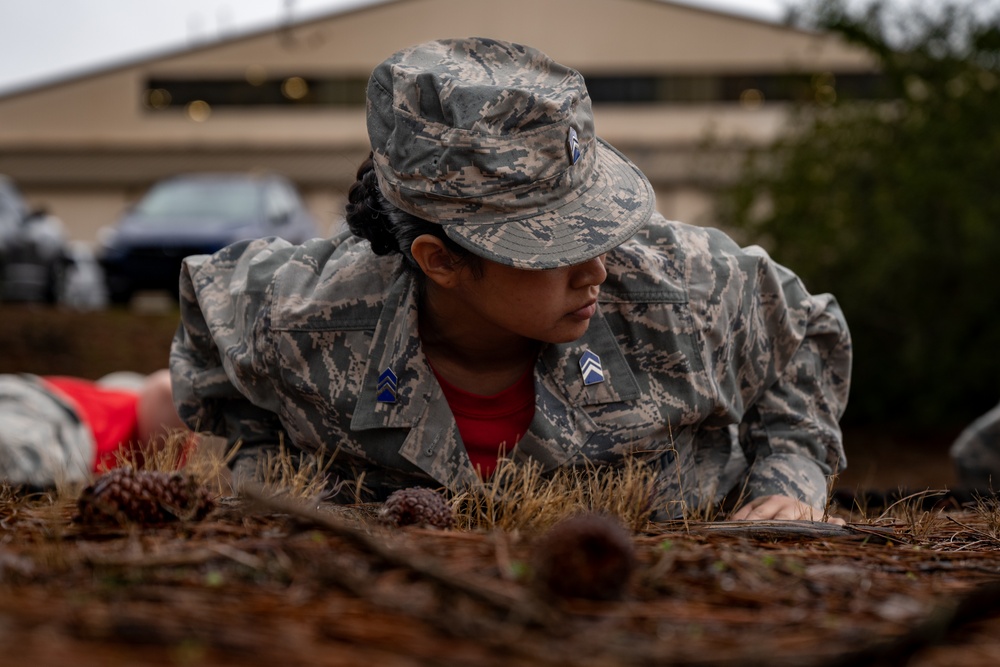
[[435, 260]]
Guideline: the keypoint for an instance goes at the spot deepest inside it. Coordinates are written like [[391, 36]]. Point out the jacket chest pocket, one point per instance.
[[321, 375]]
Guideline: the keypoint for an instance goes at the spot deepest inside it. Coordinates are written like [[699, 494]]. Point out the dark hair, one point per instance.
[[390, 229]]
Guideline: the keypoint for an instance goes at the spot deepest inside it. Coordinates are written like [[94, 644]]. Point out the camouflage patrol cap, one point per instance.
[[495, 141]]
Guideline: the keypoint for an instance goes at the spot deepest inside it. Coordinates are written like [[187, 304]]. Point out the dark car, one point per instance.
[[195, 214], [33, 250]]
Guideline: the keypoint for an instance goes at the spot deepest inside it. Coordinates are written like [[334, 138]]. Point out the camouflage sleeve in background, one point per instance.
[[801, 355], [220, 380], [976, 454], [778, 358]]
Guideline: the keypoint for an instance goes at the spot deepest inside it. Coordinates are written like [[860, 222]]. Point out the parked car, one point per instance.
[[194, 214], [84, 287], [33, 249]]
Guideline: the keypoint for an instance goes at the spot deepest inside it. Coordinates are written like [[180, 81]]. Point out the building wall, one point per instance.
[[84, 211], [87, 146]]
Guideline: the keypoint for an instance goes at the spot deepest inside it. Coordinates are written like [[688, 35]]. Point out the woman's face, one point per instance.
[[553, 305]]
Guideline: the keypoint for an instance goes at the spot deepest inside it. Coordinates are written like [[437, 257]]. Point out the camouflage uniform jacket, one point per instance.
[[696, 336], [976, 453]]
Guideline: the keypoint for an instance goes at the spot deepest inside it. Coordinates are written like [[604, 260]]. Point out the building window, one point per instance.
[[734, 88], [163, 93], [260, 90]]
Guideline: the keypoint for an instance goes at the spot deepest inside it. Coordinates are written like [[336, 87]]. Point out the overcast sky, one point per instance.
[[42, 40]]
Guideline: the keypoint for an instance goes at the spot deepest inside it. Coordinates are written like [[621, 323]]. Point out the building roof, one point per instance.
[[301, 31]]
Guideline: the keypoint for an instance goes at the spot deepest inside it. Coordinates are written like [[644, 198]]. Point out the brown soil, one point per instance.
[[265, 584]]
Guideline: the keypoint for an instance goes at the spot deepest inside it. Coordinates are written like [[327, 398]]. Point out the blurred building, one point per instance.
[[679, 90]]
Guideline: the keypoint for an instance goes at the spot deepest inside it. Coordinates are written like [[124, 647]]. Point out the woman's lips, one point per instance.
[[586, 312]]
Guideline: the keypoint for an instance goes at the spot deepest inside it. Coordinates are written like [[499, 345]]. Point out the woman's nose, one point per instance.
[[591, 272]]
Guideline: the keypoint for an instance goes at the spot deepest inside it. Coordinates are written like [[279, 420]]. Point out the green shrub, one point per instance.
[[894, 207]]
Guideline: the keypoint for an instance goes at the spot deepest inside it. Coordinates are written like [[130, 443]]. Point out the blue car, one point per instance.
[[195, 214]]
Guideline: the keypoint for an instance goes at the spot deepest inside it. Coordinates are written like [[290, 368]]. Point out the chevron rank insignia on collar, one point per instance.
[[593, 372], [386, 387]]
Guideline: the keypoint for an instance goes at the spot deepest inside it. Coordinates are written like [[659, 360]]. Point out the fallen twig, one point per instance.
[[975, 531], [787, 530], [526, 610]]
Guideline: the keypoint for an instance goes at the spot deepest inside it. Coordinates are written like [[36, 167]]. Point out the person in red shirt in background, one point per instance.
[[61, 429]]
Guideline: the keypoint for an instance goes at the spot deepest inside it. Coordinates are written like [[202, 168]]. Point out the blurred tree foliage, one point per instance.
[[894, 206]]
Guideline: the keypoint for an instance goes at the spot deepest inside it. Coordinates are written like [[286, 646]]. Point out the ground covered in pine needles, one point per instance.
[[267, 579]]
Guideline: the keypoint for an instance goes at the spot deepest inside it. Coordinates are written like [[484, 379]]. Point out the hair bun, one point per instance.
[[366, 213]]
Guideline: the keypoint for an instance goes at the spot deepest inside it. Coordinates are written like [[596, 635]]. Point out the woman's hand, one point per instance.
[[781, 507]]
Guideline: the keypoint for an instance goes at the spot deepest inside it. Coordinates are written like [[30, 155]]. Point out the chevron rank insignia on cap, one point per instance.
[[386, 387], [573, 146], [593, 372]]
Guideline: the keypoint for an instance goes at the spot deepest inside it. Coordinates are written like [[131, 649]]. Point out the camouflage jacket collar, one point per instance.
[[559, 429]]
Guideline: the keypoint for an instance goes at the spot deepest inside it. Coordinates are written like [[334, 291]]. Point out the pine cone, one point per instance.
[[416, 506], [588, 556], [124, 495]]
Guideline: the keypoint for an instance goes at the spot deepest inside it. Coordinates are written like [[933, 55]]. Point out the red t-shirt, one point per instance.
[[490, 426], [111, 414]]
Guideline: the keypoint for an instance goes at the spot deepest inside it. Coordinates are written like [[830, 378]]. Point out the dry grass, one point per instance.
[[911, 511], [9, 500], [518, 497], [515, 497], [281, 472], [987, 509], [200, 455]]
